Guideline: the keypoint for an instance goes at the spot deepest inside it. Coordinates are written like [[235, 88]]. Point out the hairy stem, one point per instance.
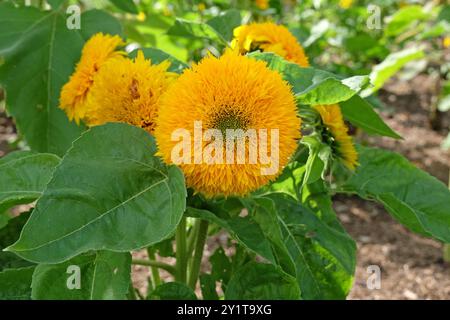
[[157, 264], [154, 269], [198, 254], [181, 269]]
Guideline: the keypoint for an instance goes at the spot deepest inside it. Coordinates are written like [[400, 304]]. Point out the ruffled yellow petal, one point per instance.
[[342, 143], [97, 50], [128, 91], [229, 92], [269, 37]]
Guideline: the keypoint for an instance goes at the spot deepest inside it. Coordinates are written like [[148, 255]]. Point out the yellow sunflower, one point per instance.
[[97, 50], [337, 131], [269, 37], [232, 92], [128, 91]]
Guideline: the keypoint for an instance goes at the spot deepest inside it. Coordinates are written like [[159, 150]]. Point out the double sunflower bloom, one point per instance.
[[229, 92]]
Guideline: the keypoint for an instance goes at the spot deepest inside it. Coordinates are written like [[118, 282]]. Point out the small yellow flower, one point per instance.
[[141, 16], [337, 133], [128, 91], [269, 37], [345, 4], [262, 4], [230, 92], [167, 11], [96, 52], [201, 7], [446, 42]]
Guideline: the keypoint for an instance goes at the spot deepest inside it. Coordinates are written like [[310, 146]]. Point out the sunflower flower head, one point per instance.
[[230, 93], [269, 37], [336, 132], [128, 91], [96, 52]]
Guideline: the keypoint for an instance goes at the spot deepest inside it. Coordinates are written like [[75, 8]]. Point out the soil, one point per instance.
[[411, 266]]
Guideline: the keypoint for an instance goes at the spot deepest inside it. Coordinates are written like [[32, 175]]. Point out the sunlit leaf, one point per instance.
[[110, 192]]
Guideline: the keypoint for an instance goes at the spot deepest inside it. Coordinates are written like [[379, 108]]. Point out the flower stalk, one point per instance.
[[198, 254]]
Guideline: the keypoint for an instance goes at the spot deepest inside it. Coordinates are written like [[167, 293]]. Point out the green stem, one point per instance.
[[157, 264], [154, 269], [192, 238], [198, 254], [131, 292], [181, 256]]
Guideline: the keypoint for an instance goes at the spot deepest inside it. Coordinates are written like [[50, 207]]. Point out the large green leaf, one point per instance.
[[361, 114], [125, 5], [313, 86], [256, 281], [243, 229], [404, 18], [225, 23], [157, 56], [38, 53], [391, 65], [23, 177], [323, 253], [8, 235], [218, 29], [412, 196], [15, 284], [110, 192], [193, 29], [103, 275], [173, 291]]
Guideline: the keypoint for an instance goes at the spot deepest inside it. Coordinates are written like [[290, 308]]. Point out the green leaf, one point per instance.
[[256, 281], [361, 114], [290, 181], [243, 229], [416, 199], [125, 5], [39, 54], [444, 14], [313, 86], [15, 284], [157, 56], [315, 165], [404, 18], [323, 253], [23, 177], [220, 266], [391, 65], [8, 235], [174, 291], [110, 192], [263, 211], [103, 275], [192, 29], [55, 4], [225, 23], [208, 287]]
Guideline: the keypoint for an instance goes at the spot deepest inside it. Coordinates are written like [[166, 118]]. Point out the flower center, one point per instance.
[[229, 119]]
